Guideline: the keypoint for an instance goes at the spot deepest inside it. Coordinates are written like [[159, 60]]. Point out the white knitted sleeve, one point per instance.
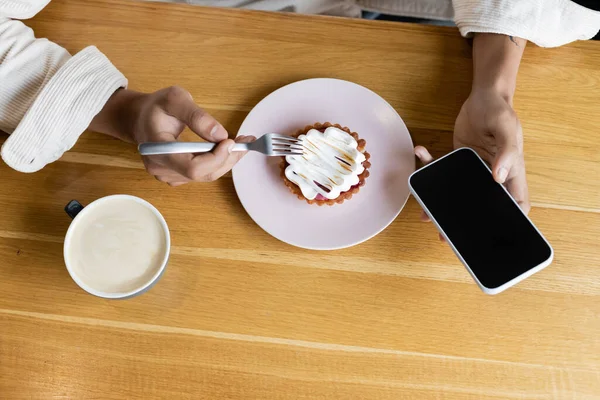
[[47, 97], [547, 23]]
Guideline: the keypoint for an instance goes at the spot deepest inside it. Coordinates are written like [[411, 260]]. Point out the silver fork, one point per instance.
[[271, 144]]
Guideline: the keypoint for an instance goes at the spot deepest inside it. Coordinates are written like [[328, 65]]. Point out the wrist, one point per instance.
[[504, 88], [496, 60], [118, 116]]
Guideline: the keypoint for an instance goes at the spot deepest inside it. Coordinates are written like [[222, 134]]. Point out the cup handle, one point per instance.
[[73, 208]]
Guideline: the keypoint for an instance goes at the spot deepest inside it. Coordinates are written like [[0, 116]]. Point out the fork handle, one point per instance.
[[151, 149]]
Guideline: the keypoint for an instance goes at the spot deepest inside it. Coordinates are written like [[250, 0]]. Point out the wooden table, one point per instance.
[[239, 315]]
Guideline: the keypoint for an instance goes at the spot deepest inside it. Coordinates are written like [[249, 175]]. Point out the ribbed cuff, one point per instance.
[[63, 110], [507, 18], [429, 9], [547, 23], [21, 9]]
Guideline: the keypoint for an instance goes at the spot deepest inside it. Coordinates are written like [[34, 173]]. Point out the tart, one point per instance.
[[332, 169]]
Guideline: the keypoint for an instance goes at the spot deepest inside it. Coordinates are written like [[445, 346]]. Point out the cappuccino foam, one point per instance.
[[117, 245]]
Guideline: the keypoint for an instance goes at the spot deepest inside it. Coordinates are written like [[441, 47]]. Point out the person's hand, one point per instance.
[[488, 124], [161, 117]]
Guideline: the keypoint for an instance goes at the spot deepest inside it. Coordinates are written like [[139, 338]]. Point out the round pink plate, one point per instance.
[[276, 210]]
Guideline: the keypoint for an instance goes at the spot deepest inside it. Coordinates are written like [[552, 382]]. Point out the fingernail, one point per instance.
[[215, 135], [230, 148], [502, 173]]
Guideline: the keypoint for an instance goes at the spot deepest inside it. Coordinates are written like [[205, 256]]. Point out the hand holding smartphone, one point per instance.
[[484, 226]]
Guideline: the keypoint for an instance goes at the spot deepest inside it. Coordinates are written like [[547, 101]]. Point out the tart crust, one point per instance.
[[347, 195]]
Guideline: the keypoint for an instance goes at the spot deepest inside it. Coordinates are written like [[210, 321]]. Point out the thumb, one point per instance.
[[179, 103], [507, 151]]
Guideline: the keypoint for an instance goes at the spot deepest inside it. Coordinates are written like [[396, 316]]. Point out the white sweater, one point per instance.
[[48, 97]]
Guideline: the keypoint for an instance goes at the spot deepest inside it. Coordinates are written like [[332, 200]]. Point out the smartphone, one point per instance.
[[482, 223]]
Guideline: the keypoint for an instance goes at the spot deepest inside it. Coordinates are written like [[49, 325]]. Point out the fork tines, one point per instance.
[[286, 146]]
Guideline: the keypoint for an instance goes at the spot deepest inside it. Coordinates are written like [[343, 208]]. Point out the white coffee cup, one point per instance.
[[79, 239]]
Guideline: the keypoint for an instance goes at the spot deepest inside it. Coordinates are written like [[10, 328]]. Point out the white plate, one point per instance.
[[275, 209]]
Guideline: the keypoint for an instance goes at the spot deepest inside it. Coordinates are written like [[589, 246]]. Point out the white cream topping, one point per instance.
[[330, 165]]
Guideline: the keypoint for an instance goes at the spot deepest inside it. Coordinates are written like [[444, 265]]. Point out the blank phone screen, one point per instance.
[[487, 228]]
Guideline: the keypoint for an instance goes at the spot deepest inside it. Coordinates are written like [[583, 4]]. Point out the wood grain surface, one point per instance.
[[240, 315]]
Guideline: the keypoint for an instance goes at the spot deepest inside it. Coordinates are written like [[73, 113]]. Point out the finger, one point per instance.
[[206, 167], [171, 181], [235, 156], [196, 167], [168, 163], [441, 237], [176, 183], [171, 178], [508, 149], [517, 187], [171, 164], [423, 155], [179, 103], [245, 139]]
